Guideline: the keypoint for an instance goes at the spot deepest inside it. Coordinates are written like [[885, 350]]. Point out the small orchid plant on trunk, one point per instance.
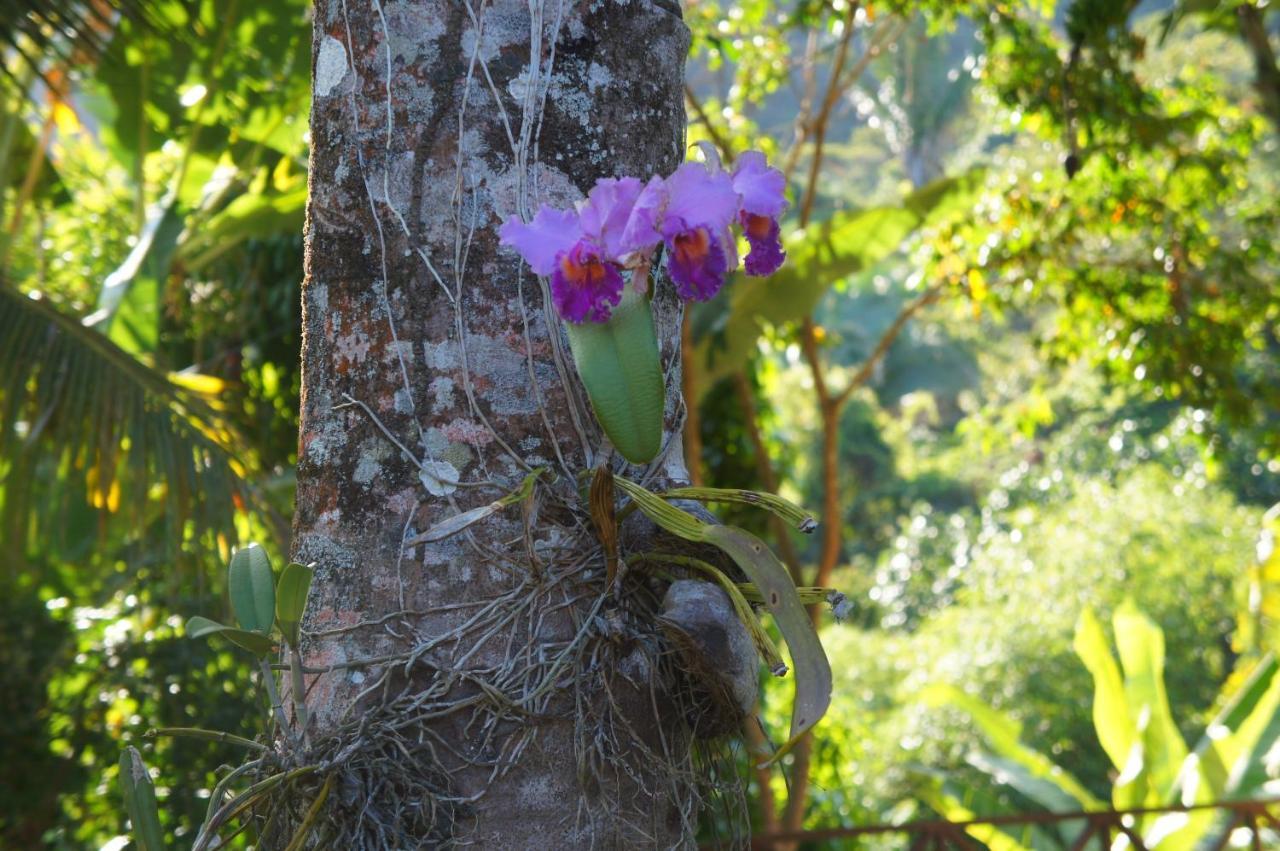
[[691, 216], [691, 221]]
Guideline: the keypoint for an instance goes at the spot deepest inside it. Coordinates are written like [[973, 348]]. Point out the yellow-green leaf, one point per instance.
[[1111, 717], [1028, 770], [802, 520], [1141, 646]]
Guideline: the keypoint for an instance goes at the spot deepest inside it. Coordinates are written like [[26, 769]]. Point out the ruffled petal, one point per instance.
[[641, 233], [697, 263], [765, 239], [763, 189], [696, 197], [585, 286], [606, 212], [551, 233]]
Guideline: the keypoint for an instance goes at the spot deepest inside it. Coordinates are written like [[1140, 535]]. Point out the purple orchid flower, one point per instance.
[[691, 211], [761, 188], [621, 221], [583, 251]]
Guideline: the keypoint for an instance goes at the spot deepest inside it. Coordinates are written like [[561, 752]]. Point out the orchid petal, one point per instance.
[[641, 233], [697, 263], [606, 212], [697, 197], [551, 233], [585, 286], [764, 236], [762, 188]]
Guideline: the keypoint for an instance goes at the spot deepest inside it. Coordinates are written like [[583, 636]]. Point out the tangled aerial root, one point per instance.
[[438, 723]]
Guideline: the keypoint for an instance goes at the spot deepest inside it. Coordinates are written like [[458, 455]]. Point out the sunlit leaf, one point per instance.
[[1030, 772], [1111, 719], [67, 391], [949, 804], [1141, 647], [251, 585]]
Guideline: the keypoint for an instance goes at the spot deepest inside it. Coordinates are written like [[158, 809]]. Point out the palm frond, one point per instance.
[[82, 421], [47, 33]]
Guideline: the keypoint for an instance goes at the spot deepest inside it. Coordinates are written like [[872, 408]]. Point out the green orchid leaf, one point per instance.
[[813, 671], [252, 588], [255, 642], [802, 520], [140, 801], [291, 600], [198, 627], [770, 576], [619, 365]]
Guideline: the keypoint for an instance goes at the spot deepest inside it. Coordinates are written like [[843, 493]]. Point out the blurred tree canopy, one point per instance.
[[1023, 358], [152, 162]]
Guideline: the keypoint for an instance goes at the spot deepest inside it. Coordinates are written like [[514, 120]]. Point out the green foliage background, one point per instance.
[[1086, 415]]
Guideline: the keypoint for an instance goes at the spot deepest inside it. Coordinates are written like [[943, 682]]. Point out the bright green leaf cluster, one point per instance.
[[1152, 764]]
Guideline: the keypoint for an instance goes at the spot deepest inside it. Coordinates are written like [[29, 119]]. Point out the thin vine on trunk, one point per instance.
[[481, 687]]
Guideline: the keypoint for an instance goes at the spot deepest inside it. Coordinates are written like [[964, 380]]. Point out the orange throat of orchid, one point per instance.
[[587, 272], [692, 247], [756, 227]]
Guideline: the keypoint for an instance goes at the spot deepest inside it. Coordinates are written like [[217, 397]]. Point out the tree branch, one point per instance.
[[717, 138], [805, 113], [819, 129], [926, 298], [809, 347], [1253, 30]]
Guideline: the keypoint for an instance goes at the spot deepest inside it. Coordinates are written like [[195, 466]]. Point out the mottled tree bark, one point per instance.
[[434, 380]]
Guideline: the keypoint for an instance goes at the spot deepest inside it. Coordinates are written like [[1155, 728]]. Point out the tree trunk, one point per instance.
[[483, 687]]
